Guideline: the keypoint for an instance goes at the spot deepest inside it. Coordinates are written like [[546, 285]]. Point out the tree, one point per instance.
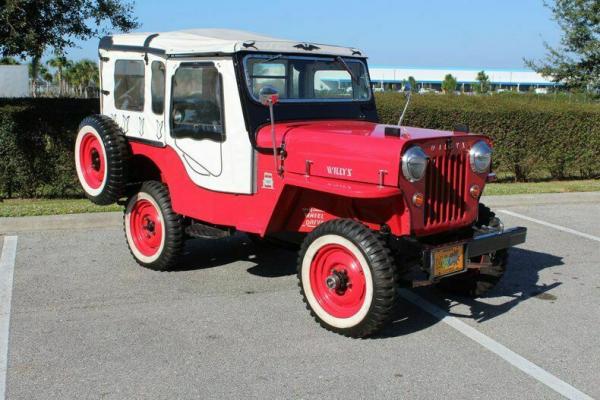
[[82, 75], [413, 84], [483, 82], [60, 63], [8, 61], [449, 84], [576, 61], [29, 27]]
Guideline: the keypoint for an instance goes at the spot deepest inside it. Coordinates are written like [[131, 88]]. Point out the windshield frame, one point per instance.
[[325, 57]]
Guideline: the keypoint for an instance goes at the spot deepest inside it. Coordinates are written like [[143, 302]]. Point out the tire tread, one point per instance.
[[382, 266]]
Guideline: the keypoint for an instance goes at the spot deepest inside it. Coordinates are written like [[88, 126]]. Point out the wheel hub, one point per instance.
[[338, 281], [149, 225], [95, 160]]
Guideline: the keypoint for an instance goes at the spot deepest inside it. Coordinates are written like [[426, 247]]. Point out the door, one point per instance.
[[204, 124], [197, 118]]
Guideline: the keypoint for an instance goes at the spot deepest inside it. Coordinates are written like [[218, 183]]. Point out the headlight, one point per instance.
[[481, 157], [414, 164]]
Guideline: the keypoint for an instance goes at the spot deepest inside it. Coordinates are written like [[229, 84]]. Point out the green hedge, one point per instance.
[[37, 138], [535, 137]]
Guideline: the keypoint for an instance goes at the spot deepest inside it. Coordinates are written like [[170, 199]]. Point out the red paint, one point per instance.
[[91, 158], [335, 260], [353, 171], [146, 227]]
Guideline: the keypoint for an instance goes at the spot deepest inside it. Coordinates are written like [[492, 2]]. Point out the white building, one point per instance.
[[14, 81], [391, 78]]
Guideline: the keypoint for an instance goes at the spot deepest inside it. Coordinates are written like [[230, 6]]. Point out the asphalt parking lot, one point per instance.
[[87, 323]]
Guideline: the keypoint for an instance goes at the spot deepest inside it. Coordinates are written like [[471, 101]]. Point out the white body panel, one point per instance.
[[226, 166], [224, 41], [131, 122]]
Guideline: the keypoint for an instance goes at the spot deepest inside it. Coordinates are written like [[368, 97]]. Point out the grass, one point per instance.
[[589, 185], [30, 207]]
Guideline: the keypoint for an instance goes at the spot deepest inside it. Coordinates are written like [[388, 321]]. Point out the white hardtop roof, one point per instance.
[[217, 41]]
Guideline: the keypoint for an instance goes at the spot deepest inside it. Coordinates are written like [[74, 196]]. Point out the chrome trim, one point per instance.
[[414, 151], [480, 149]]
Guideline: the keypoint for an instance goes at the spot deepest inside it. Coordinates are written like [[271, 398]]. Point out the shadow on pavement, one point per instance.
[[520, 282], [270, 261]]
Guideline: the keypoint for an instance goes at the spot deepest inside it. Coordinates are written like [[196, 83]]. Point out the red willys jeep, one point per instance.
[[208, 132]]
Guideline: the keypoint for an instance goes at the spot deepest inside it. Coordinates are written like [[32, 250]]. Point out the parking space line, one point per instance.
[[548, 224], [508, 355], [7, 265]]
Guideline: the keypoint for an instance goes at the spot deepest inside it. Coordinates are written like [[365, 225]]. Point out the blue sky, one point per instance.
[[432, 33]]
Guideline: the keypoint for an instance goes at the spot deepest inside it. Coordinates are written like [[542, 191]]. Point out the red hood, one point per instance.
[[350, 150]]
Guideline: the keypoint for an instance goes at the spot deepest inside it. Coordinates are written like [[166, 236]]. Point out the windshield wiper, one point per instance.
[[347, 68], [275, 57]]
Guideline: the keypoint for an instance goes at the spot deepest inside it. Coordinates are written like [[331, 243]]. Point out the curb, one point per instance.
[[60, 222]]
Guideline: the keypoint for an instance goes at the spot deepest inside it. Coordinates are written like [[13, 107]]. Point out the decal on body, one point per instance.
[[267, 182], [339, 171], [313, 217]]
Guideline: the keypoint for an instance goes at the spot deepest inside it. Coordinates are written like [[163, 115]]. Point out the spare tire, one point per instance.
[[101, 156]]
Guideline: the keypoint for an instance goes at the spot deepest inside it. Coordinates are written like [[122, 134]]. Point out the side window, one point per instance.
[[129, 85], [157, 87], [197, 109]]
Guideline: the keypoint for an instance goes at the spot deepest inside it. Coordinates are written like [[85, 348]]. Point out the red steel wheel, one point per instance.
[[154, 232], [146, 227], [92, 160], [338, 280], [346, 277]]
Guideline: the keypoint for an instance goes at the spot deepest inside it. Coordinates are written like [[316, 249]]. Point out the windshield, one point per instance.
[[302, 79]]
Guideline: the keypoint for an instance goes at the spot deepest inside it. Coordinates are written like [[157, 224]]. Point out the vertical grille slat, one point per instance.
[[445, 189]]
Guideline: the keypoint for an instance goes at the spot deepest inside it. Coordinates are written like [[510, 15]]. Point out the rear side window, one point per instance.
[[158, 87], [129, 85]]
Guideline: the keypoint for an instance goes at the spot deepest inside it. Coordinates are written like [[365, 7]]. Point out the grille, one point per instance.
[[445, 189]]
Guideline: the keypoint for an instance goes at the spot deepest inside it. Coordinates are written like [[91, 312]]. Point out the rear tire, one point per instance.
[[101, 154], [154, 232], [346, 278], [478, 281]]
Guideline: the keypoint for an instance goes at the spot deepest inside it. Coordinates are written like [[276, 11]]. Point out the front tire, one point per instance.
[[153, 230], [346, 278]]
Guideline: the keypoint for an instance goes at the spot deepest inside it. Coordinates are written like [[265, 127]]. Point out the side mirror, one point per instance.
[[268, 95]]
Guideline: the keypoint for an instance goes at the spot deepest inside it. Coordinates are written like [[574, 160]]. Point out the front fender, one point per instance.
[[337, 187]]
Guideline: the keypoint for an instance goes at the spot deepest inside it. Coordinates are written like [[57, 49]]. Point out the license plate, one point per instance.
[[448, 260]]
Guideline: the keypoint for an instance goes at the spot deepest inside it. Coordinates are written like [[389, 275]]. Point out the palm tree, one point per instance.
[[81, 75], [60, 63], [34, 74]]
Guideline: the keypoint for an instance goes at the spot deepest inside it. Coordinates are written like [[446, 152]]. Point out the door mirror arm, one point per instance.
[[269, 96]]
